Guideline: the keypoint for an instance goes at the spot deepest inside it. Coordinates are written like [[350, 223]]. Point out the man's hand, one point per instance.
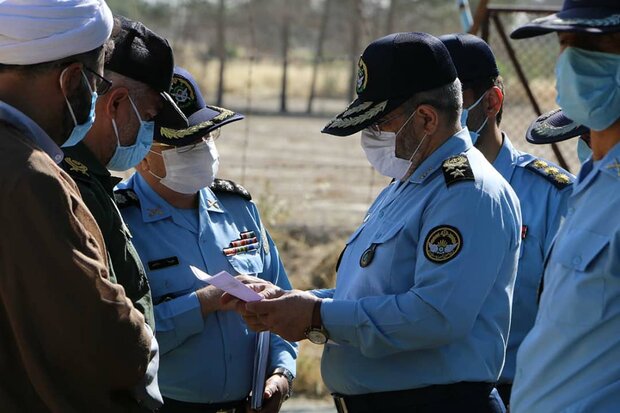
[[276, 389], [288, 315], [210, 300], [263, 287]]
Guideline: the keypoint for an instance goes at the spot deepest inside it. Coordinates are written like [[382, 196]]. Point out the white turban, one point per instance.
[[37, 31]]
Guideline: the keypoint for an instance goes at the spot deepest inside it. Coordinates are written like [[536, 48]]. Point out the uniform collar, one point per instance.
[[208, 201], [81, 153], [456, 144], [508, 158], [154, 207], [31, 130], [610, 165]]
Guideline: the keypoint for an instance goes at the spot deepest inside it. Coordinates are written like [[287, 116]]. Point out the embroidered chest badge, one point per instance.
[[442, 243]]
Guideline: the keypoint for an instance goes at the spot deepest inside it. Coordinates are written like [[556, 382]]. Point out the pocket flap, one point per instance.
[[355, 234], [387, 231], [249, 262], [579, 254]]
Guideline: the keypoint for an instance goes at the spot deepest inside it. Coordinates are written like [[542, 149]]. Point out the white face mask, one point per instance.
[[190, 170], [380, 149]]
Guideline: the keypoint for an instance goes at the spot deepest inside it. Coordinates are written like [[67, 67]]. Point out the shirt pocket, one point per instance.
[[171, 282], [581, 290], [250, 262]]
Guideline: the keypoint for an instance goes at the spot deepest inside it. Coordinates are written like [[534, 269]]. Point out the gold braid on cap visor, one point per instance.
[[182, 133]]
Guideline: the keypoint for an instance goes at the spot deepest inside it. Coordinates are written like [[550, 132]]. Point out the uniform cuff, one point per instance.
[[189, 319], [339, 320]]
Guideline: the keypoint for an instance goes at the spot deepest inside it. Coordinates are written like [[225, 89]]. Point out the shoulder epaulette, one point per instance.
[[457, 169], [551, 173], [125, 198], [75, 168], [224, 185]]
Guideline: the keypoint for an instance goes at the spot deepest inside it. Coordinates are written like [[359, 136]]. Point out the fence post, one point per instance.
[[221, 50], [286, 24], [318, 56], [356, 17]]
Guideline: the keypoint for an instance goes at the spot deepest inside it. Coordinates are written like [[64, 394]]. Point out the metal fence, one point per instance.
[[303, 178]]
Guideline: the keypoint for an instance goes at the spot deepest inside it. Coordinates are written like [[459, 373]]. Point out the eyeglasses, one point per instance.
[[376, 126], [103, 84]]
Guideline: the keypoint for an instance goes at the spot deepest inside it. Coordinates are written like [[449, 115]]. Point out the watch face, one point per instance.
[[316, 336]]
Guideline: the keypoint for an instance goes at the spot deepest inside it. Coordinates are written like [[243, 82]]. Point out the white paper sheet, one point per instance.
[[226, 282]]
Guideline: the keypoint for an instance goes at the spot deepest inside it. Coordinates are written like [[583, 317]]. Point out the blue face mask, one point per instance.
[[79, 131], [588, 86], [583, 151], [126, 157], [465, 114]]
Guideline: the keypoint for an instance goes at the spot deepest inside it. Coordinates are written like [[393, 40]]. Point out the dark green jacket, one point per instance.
[[96, 186]]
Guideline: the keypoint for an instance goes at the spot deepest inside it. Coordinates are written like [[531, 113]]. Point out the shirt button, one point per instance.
[[577, 260], [167, 283], [571, 210], [381, 214]]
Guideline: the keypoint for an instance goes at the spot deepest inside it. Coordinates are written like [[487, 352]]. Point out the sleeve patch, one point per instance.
[[224, 185], [442, 243], [457, 169]]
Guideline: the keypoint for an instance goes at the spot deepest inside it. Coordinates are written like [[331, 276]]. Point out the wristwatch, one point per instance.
[[289, 377], [316, 333]]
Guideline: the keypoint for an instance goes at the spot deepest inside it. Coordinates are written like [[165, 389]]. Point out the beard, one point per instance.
[[80, 102]]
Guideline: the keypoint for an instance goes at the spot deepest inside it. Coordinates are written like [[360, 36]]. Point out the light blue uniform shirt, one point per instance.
[[570, 360], [407, 321], [543, 189], [202, 360]]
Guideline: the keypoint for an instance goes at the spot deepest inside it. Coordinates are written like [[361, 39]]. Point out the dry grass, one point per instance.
[[310, 259], [332, 78]]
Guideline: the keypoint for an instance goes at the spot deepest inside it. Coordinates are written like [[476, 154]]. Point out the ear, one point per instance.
[[71, 78], [493, 101], [427, 118], [113, 99]]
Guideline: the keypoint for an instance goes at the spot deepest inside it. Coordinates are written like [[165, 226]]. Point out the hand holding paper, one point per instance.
[[229, 284]]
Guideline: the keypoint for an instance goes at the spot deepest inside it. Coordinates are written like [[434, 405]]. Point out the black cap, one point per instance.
[[552, 127], [472, 57], [584, 16], [140, 54], [390, 71], [202, 118]]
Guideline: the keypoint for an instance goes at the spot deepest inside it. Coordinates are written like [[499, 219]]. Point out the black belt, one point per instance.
[[462, 395], [177, 406]]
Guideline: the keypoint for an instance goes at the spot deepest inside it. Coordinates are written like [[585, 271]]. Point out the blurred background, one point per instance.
[[290, 65]]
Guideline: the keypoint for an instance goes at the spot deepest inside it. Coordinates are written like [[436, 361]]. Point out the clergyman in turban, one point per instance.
[[71, 341]]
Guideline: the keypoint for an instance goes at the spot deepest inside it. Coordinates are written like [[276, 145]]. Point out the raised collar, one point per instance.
[[456, 144], [610, 165], [508, 158], [31, 130]]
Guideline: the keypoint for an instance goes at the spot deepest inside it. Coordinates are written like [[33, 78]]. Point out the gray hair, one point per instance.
[[137, 90], [447, 99]]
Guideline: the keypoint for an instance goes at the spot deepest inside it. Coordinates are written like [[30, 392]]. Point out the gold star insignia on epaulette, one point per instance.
[[552, 170], [538, 164], [76, 166], [615, 165], [457, 169], [456, 165], [562, 178]]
